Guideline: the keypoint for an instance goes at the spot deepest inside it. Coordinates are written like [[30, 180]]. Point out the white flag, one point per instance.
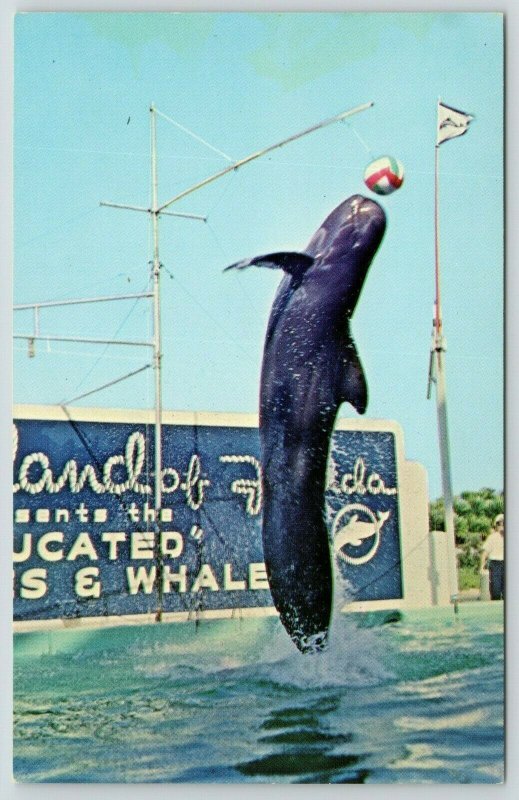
[[451, 122]]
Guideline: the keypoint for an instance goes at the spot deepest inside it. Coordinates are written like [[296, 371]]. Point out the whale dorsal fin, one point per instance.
[[293, 263], [352, 384]]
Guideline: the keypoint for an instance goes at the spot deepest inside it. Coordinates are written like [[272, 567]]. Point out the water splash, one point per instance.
[[355, 656]]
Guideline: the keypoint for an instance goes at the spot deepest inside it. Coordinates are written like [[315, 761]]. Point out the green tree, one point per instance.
[[474, 514]]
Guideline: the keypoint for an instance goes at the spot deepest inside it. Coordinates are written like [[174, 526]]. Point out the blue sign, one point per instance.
[[88, 541]]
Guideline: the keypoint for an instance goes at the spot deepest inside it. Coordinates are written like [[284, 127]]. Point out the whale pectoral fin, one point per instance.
[[353, 387], [293, 263]]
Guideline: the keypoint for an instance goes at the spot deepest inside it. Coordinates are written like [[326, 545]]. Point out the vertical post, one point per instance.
[[441, 396], [157, 359]]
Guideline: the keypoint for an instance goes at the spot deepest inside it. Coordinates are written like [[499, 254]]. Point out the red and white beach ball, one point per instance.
[[384, 175]]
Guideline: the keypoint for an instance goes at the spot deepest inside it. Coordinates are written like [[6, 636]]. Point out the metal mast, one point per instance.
[[157, 364], [157, 343], [154, 212]]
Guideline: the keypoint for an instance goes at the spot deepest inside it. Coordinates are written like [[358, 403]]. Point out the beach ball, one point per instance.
[[384, 175]]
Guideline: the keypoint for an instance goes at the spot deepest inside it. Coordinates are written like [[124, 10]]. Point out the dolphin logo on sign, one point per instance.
[[354, 524]]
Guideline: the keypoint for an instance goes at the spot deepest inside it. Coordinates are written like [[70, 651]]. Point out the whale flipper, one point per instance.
[[293, 263], [353, 387]]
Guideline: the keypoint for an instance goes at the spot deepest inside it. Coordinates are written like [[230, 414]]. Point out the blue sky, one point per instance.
[[241, 82]]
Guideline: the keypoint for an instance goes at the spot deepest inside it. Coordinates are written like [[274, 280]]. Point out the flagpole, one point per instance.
[[441, 390]]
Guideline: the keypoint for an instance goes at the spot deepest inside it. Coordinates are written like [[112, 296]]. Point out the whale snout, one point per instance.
[[361, 229], [365, 207]]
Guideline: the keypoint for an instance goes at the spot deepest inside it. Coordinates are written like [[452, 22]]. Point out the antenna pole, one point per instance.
[[157, 356]]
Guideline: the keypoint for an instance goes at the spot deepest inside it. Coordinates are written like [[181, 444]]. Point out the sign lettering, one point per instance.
[[88, 541]]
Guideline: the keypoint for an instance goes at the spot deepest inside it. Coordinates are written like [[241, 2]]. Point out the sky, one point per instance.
[[84, 83]]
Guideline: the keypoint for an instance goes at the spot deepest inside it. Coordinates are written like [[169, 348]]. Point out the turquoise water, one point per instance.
[[417, 700]]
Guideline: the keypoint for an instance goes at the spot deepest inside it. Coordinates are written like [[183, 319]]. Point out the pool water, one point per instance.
[[420, 699]]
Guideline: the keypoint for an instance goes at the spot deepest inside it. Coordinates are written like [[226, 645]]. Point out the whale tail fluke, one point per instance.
[[293, 263]]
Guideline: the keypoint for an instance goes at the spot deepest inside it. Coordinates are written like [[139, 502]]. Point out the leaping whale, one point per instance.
[[310, 366]]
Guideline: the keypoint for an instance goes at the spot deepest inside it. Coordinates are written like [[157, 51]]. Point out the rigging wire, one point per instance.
[[194, 136], [226, 188], [103, 353], [113, 153], [106, 385], [228, 335], [57, 228], [57, 351], [359, 137], [399, 562], [190, 602], [237, 275]]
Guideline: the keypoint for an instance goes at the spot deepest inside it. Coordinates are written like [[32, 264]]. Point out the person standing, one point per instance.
[[493, 558]]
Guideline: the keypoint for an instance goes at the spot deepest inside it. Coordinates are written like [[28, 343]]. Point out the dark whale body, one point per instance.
[[310, 367]]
